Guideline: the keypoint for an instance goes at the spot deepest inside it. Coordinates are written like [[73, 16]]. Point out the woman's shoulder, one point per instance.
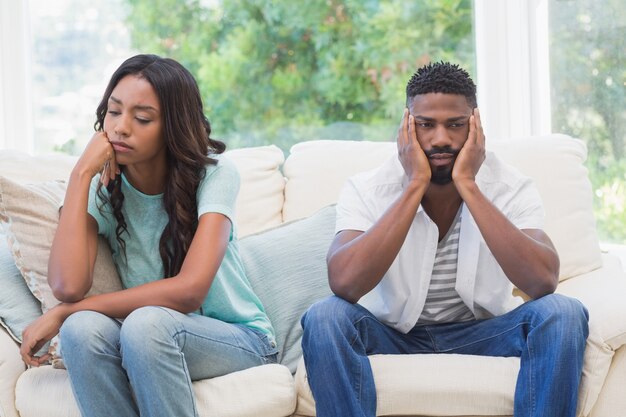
[[223, 168]]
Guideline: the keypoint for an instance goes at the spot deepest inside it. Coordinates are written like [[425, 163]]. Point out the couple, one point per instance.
[[153, 182]]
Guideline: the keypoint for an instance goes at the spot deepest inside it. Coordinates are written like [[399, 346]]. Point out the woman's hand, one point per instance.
[[38, 333], [98, 156]]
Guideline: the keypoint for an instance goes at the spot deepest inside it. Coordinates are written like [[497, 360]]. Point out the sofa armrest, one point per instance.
[[11, 367], [602, 291]]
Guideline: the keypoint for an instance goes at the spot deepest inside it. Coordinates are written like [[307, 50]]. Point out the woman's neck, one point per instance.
[[149, 180]]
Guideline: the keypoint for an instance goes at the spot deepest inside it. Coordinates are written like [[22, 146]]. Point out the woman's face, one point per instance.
[[133, 123]]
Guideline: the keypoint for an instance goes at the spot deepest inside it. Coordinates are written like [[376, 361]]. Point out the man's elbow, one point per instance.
[[547, 285], [342, 286]]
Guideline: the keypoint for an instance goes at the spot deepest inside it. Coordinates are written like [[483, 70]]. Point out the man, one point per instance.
[[430, 245]]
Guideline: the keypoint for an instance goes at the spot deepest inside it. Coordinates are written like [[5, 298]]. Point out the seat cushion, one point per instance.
[[262, 391], [433, 385], [460, 385]]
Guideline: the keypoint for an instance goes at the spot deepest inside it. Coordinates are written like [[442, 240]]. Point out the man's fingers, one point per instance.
[[412, 138], [401, 139], [471, 135], [480, 135]]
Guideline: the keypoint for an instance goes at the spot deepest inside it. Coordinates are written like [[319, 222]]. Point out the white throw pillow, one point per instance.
[[260, 200], [29, 215]]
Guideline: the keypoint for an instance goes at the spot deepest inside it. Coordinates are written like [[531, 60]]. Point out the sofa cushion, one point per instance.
[[433, 385], [21, 167], [260, 201], [460, 384], [18, 307], [29, 214], [556, 164], [11, 367], [316, 171], [29, 217], [261, 391], [286, 267]]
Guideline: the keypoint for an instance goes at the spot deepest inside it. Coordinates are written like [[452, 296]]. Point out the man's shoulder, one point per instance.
[[388, 175]]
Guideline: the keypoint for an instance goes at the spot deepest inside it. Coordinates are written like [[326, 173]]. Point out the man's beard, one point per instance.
[[442, 175]]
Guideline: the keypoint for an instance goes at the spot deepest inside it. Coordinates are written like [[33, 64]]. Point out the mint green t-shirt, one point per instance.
[[230, 297]]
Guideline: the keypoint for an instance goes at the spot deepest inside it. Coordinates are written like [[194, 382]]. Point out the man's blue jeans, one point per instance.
[[145, 365], [548, 334]]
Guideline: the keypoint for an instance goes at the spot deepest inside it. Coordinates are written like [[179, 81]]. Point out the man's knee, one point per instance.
[[566, 313], [330, 321], [329, 311]]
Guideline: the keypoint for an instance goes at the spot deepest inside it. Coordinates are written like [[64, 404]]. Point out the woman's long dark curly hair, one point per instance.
[[186, 133]]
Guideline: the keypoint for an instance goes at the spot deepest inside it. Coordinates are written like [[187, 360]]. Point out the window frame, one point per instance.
[[513, 67]]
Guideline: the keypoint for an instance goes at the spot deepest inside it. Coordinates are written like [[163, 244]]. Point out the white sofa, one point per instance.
[[286, 266]]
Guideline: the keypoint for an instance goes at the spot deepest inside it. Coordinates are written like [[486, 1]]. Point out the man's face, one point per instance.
[[442, 125]]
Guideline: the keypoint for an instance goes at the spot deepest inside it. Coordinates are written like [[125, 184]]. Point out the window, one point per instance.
[[588, 86], [282, 72], [270, 71], [75, 47]]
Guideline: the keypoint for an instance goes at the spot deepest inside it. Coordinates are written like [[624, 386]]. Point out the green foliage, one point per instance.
[[588, 65], [279, 71], [282, 71]]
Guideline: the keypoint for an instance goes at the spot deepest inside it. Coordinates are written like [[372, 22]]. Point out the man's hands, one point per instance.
[[38, 333], [99, 156], [472, 154], [410, 152]]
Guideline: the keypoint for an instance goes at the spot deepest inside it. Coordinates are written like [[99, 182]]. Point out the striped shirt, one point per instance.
[[443, 304]]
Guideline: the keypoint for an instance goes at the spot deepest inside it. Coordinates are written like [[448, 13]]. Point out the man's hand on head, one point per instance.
[[410, 153], [472, 154]]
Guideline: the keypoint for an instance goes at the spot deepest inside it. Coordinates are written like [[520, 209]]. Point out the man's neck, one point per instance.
[[441, 203]]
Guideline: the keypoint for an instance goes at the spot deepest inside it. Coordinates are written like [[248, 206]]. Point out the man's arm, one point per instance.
[[527, 257], [357, 260]]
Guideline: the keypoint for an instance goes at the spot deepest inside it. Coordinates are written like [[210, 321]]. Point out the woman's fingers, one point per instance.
[[105, 176]]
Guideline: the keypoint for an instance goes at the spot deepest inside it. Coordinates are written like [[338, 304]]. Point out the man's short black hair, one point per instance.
[[441, 77]]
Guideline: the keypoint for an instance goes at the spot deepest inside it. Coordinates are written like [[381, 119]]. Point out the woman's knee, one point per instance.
[[87, 331], [146, 326]]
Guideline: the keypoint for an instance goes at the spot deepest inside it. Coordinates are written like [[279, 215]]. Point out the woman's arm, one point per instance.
[[184, 292], [73, 252]]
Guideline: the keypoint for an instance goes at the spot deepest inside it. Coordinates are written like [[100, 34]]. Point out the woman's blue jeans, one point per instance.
[[145, 364], [548, 334]]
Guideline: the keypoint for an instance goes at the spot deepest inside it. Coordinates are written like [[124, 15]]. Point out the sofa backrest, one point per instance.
[[260, 199], [315, 172]]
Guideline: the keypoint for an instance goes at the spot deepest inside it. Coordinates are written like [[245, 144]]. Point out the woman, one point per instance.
[[153, 183]]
